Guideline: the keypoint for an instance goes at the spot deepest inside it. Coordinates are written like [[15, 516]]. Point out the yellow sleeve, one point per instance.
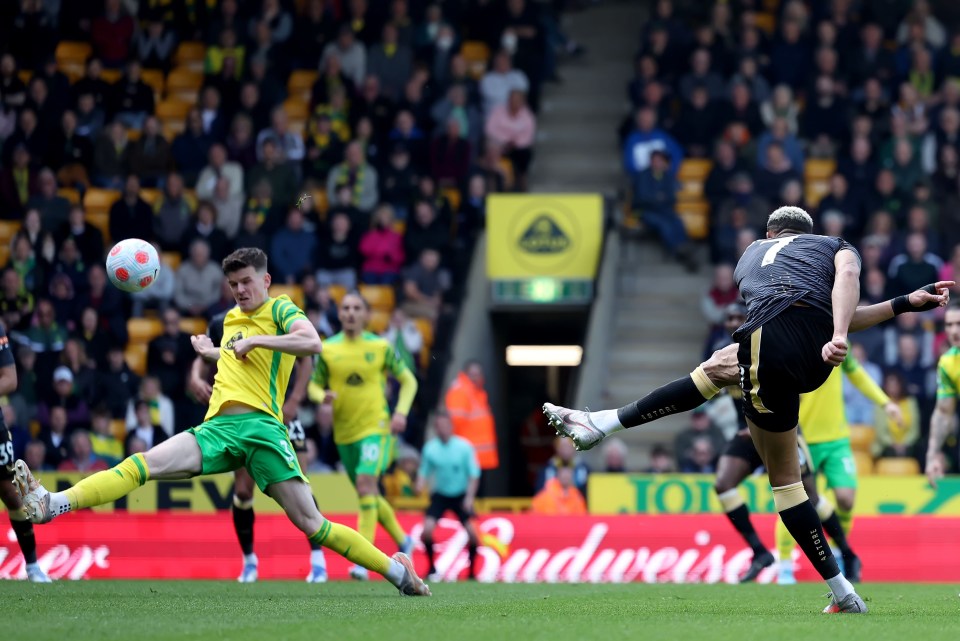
[[408, 389], [315, 392], [867, 386]]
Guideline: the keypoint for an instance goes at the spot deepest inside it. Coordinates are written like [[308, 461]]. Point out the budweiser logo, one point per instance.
[[59, 562], [590, 561]]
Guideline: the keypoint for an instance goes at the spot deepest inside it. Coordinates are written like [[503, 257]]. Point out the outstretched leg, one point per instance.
[[243, 519], [732, 469], [22, 528]]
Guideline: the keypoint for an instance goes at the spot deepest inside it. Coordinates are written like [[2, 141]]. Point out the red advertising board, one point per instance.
[[516, 548]]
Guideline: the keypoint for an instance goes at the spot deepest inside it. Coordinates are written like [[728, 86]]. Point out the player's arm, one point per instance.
[[300, 339], [319, 379], [205, 348], [408, 390], [8, 367], [846, 295], [870, 388], [424, 473], [197, 380], [941, 423], [298, 392], [922, 300]]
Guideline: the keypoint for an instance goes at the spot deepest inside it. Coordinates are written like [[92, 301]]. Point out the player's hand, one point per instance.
[[325, 415], [398, 424], [200, 389], [468, 505], [894, 413], [329, 396], [835, 351], [934, 470], [931, 296], [243, 347], [202, 345], [290, 410], [722, 368]]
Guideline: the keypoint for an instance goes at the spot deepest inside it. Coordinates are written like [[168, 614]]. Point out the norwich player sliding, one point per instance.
[[242, 428], [351, 378], [948, 391]]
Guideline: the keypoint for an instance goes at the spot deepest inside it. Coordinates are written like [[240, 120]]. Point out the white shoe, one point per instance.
[[434, 577], [574, 424], [850, 604], [35, 497], [359, 573], [411, 584], [785, 577], [318, 574], [37, 575], [249, 574]]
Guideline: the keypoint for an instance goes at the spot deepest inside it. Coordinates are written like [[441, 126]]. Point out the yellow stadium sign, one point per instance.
[[543, 235], [211, 493], [694, 494]]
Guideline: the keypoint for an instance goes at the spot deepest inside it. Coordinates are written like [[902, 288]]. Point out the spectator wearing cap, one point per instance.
[[64, 396], [655, 197], [646, 139], [513, 127], [351, 54], [357, 174]]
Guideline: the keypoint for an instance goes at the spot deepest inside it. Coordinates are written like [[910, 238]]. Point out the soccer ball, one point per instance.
[[133, 265]]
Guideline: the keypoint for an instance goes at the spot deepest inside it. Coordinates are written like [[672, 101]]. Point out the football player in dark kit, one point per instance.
[[201, 375], [8, 492], [801, 292]]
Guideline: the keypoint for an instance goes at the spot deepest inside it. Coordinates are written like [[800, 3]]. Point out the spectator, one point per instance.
[[103, 443], [18, 182], [726, 165], [391, 62], [35, 455], [250, 234], [654, 197], [469, 410], [565, 457], [169, 355], [118, 385], [442, 54], [190, 148], [94, 339], [324, 149], [289, 144], [661, 461], [292, 250], [700, 427], [54, 208], [159, 411], [55, 438], [560, 497], [424, 285], [45, 338], [910, 366], [16, 304], [64, 396], [143, 428], [646, 139], [132, 98], [825, 118], [351, 54], [399, 181], [790, 56], [93, 83], [407, 133], [241, 144], [131, 216], [333, 79], [425, 231], [498, 83], [205, 227], [112, 33], [934, 33], [780, 134], [171, 213], [337, 255], [198, 281], [90, 117], [456, 106], [893, 439], [614, 457], [513, 128], [69, 154], [775, 172], [723, 291], [312, 31], [359, 175], [700, 75], [910, 326], [108, 301], [701, 458], [110, 157], [699, 123], [273, 170], [405, 337], [155, 46], [150, 157], [13, 92], [915, 268], [212, 114], [82, 458], [87, 238]]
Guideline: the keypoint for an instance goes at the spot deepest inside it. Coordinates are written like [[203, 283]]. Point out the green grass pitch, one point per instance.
[[282, 611]]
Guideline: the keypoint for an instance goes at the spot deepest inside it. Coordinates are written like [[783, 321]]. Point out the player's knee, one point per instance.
[[242, 494], [845, 498], [723, 484], [366, 485]]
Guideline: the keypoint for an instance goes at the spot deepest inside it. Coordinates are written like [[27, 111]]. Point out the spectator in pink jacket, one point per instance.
[[513, 127], [382, 250]]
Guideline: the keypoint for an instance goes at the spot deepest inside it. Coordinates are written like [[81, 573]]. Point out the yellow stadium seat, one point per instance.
[[193, 326], [100, 220], [425, 358], [4, 254], [296, 109], [452, 194], [8, 229], [426, 330], [897, 467], [767, 22], [184, 84], [301, 84], [380, 297], [696, 218], [70, 194], [134, 134], [35, 428], [25, 75], [477, 55], [864, 463], [173, 128], [379, 321], [819, 169], [172, 110], [692, 177], [190, 55], [100, 199], [295, 292], [171, 260], [73, 52], [506, 166], [861, 437], [118, 427], [150, 196], [155, 80], [337, 292], [400, 226], [320, 202], [111, 75], [143, 330], [136, 357]]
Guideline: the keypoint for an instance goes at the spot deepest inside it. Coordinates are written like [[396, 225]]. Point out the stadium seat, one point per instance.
[[861, 437], [25, 76], [193, 326], [320, 203], [508, 175], [477, 55], [296, 109], [767, 23], [4, 254], [300, 84], [297, 126], [150, 196], [134, 134], [379, 321], [897, 467], [295, 292], [190, 55], [8, 229], [337, 292], [143, 330], [171, 260], [118, 427], [35, 428], [452, 194], [100, 220], [864, 463], [184, 84], [155, 80], [380, 297], [696, 218], [692, 176], [136, 357], [70, 194], [73, 53], [172, 110], [426, 330], [400, 226], [111, 75], [172, 128], [816, 179], [100, 199]]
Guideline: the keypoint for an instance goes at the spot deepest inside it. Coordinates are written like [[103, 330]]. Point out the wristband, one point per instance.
[[901, 304]]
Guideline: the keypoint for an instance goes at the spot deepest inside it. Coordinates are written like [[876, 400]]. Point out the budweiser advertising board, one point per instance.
[[515, 548]]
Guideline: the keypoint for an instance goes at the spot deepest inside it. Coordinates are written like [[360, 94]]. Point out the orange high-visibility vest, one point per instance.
[[555, 500], [470, 415]]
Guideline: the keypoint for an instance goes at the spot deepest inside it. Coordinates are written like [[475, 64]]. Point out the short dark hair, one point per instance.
[[245, 257], [356, 293]]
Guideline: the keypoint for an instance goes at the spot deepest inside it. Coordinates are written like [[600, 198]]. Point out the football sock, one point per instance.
[[367, 519], [681, 395], [846, 519], [25, 537], [800, 518], [428, 546], [313, 544], [840, 586], [831, 525], [243, 518], [250, 558], [388, 519], [316, 555], [102, 487], [472, 550], [356, 549], [739, 515]]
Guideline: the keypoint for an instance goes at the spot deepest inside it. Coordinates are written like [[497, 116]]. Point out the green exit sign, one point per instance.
[[543, 291]]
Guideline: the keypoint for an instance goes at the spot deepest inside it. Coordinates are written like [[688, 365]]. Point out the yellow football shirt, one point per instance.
[[948, 374], [356, 371], [823, 413], [261, 379]]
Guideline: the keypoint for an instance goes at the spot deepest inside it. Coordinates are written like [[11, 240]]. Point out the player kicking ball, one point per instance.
[[801, 292], [243, 427]]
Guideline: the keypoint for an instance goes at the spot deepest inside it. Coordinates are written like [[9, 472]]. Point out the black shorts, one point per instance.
[[780, 361], [440, 504], [6, 454], [742, 447], [297, 436]]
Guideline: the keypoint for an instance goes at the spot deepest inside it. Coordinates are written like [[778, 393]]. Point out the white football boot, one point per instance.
[[574, 424], [35, 497]]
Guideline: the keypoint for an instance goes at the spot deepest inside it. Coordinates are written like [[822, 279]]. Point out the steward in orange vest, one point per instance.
[[470, 414]]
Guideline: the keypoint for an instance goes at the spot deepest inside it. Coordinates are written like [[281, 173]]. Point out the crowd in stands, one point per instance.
[[354, 141], [848, 109]]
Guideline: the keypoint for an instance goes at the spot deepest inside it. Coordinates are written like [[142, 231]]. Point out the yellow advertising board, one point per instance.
[[544, 235], [694, 494], [211, 493]]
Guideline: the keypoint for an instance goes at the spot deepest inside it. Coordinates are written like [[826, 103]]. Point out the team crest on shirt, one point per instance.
[[355, 380], [233, 339], [369, 356]]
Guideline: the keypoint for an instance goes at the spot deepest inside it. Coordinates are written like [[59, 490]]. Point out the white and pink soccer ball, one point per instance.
[[133, 265]]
